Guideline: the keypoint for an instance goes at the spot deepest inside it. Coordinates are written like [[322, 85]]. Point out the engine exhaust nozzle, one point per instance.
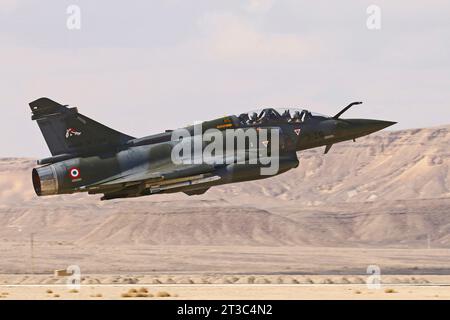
[[45, 181]]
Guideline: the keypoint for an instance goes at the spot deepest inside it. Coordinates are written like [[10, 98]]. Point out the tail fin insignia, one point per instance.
[[68, 132]]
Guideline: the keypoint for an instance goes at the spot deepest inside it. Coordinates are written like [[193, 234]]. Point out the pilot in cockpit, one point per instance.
[[286, 115], [308, 115], [298, 116], [243, 118], [253, 118]]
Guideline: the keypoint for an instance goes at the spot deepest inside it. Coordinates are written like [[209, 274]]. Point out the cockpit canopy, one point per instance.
[[262, 117], [271, 115]]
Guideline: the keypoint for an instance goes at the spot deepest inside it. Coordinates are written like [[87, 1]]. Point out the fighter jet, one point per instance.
[[90, 157]]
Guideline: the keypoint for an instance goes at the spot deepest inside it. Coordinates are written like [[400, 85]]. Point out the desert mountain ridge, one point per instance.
[[388, 189], [391, 165]]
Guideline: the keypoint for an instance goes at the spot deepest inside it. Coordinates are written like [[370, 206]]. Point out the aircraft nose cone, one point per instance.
[[362, 127], [376, 125]]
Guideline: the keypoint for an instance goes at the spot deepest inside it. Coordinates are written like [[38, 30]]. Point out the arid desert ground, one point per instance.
[[311, 233]]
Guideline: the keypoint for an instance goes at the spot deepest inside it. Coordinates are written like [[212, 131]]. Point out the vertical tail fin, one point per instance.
[[68, 132]]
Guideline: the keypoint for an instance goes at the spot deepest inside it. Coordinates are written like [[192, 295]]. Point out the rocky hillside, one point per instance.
[[388, 189]]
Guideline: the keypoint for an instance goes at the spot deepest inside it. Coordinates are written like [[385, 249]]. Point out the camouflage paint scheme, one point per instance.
[[90, 157]]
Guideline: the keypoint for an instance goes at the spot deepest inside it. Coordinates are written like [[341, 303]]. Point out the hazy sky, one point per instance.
[[145, 66]]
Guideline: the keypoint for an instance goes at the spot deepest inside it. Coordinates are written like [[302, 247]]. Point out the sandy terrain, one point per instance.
[[383, 201], [16, 258], [227, 287]]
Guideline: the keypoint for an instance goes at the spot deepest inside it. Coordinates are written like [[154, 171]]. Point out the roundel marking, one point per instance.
[[74, 173]]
